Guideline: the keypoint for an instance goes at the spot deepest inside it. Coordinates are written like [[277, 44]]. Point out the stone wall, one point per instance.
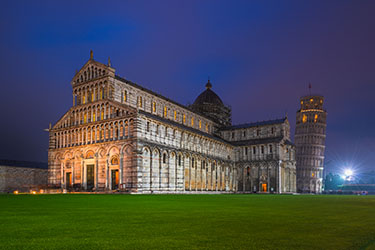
[[21, 179]]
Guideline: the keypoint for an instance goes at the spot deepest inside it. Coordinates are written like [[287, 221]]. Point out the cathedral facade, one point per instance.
[[120, 136]]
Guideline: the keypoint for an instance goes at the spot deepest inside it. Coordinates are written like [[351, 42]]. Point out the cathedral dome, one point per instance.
[[208, 97], [209, 104]]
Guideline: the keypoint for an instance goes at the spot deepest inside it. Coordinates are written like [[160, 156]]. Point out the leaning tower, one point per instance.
[[310, 138]]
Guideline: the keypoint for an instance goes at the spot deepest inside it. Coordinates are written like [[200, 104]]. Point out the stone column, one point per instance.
[[151, 160], [190, 167], [62, 175], [121, 170], [175, 171], [73, 171], [107, 173], [244, 179], [84, 182], [96, 172], [199, 166], [216, 177], [268, 178], [278, 178]]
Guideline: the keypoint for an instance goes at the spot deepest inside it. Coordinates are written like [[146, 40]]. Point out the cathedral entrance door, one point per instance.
[[114, 179], [90, 177], [264, 187], [68, 179]]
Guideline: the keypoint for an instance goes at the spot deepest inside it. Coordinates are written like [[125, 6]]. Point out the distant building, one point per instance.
[[310, 136], [22, 175], [121, 136]]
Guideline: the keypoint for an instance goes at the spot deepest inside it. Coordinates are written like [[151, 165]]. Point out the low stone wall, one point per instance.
[[21, 179]]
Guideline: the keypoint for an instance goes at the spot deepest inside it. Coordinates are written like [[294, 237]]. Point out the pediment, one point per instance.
[[92, 70], [68, 119], [64, 119]]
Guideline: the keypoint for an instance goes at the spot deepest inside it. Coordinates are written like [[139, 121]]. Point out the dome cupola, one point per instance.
[[208, 96], [209, 104]]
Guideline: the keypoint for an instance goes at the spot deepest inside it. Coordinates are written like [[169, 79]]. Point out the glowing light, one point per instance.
[[315, 118], [33, 192], [15, 192], [348, 172]]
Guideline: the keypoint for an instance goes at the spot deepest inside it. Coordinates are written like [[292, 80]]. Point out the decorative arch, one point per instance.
[[115, 160], [113, 151], [127, 149], [90, 154], [67, 155]]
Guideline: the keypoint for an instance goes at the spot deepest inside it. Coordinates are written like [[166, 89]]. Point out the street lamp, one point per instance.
[[348, 173]]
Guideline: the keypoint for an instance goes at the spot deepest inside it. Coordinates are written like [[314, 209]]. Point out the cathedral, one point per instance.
[[121, 137]]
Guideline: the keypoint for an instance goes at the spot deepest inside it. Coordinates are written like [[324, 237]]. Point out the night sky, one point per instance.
[[259, 55]]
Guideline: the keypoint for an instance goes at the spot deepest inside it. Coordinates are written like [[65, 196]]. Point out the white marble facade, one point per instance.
[[121, 136]]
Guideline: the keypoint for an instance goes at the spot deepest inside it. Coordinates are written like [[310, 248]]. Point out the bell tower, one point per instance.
[[310, 136]]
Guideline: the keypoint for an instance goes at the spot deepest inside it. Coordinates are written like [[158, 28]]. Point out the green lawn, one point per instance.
[[186, 221]]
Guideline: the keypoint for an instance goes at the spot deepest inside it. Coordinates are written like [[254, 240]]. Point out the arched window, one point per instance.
[[90, 155], [304, 118], [164, 158], [114, 161], [140, 101]]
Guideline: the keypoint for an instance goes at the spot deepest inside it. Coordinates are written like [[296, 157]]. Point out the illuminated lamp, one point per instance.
[[15, 192], [348, 172]]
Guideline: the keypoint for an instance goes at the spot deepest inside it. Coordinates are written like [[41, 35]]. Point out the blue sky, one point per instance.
[[260, 56]]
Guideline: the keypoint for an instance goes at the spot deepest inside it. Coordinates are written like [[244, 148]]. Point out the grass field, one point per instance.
[[186, 222]]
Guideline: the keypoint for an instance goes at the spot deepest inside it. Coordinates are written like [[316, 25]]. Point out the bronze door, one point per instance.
[[68, 179], [90, 177], [114, 176]]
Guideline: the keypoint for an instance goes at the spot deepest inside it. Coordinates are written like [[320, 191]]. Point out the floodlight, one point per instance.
[[348, 172]]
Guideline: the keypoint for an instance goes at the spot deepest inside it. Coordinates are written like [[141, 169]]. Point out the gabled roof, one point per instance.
[[24, 164], [179, 125], [261, 141], [93, 63], [111, 102], [151, 92], [255, 124]]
